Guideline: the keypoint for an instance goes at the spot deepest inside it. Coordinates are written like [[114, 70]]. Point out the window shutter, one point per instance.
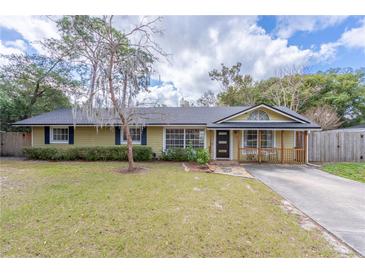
[[144, 136], [71, 135], [117, 135], [46, 135]]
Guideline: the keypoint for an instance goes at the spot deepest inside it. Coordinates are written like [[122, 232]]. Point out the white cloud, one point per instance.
[[31, 28], [198, 44], [354, 38], [163, 94], [19, 44], [288, 25], [201, 43], [7, 49]]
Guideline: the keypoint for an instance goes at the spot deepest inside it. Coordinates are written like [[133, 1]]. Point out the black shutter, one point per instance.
[[46, 135], [117, 135], [71, 135], [144, 136]]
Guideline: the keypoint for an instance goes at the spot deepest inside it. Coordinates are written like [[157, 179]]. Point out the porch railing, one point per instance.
[[272, 155]]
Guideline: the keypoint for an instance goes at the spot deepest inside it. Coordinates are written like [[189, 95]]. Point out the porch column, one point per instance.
[[282, 146], [238, 145], [259, 146], [306, 146]]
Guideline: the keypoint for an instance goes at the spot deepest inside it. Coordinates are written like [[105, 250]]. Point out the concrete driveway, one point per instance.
[[336, 203]]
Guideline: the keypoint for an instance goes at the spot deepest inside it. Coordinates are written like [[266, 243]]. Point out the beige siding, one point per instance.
[[237, 137], [38, 136], [92, 136], [155, 139], [83, 136], [272, 115], [210, 142]]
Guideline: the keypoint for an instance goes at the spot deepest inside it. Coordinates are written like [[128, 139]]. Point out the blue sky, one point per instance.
[[265, 45]]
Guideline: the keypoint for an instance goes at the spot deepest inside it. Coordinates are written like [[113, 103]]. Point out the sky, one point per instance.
[[265, 45]]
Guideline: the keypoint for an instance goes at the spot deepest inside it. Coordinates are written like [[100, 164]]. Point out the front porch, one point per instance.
[[261, 146]]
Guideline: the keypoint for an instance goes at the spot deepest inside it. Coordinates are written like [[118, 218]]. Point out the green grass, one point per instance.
[[87, 209], [353, 171]]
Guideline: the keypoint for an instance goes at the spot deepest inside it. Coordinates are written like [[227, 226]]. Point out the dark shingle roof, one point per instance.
[[268, 125], [358, 126], [167, 116]]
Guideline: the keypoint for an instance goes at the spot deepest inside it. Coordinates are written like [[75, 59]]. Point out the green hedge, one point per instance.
[[106, 153], [199, 155]]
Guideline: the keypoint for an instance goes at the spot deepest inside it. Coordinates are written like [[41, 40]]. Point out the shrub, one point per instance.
[[175, 154], [200, 155], [191, 153], [107, 153]]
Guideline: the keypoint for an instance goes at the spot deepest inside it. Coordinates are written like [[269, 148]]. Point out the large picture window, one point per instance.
[[135, 135], [266, 138], [59, 135], [181, 138]]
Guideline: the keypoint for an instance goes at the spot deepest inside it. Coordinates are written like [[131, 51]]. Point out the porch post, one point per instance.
[[306, 147], [259, 146], [282, 146], [238, 145]]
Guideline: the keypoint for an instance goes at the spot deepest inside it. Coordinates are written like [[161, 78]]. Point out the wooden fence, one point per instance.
[[12, 143], [337, 146]]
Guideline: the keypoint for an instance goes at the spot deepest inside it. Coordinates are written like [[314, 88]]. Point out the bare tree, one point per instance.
[[120, 66], [325, 116], [287, 88], [185, 103], [208, 99]]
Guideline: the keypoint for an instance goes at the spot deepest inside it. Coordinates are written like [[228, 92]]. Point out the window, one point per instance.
[[59, 135], [251, 137], [258, 115], [181, 138], [135, 133], [195, 137], [267, 138], [175, 138]]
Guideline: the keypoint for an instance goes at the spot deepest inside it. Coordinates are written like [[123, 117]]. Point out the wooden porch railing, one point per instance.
[[272, 155]]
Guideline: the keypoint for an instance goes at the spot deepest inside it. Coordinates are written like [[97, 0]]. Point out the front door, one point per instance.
[[222, 144]]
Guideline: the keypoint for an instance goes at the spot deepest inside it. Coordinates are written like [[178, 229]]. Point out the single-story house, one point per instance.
[[260, 133]]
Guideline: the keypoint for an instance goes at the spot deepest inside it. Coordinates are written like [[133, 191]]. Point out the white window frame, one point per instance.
[[51, 141], [184, 128], [257, 143], [122, 141]]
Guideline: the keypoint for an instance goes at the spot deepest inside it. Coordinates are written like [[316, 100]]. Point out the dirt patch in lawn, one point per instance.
[[136, 170], [7, 183]]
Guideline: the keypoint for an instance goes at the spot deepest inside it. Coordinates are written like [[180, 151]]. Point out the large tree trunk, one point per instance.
[[129, 144]]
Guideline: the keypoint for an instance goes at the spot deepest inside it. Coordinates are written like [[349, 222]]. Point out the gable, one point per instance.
[[273, 116]]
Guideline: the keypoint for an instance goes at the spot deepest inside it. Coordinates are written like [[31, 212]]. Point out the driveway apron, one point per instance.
[[336, 203]]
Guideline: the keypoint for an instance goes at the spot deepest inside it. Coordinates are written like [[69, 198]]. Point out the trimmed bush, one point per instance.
[[175, 154], [189, 154], [105, 153]]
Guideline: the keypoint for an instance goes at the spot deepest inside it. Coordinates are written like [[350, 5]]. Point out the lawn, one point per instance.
[[88, 209], [353, 171]]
